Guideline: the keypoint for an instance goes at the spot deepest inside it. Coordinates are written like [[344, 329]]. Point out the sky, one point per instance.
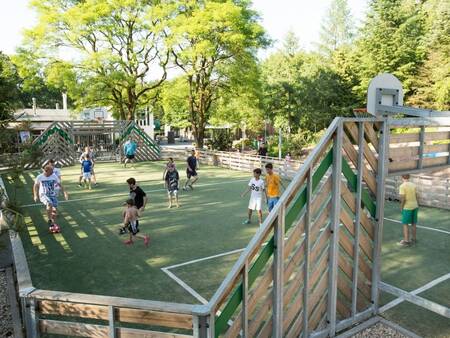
[[303, 17]]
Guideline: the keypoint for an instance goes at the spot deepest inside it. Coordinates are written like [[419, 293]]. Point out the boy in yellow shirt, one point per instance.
[[410, 209], [273, 183]]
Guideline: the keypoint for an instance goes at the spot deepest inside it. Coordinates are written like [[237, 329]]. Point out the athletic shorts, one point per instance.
[[172, 191], [133, 227], [271, 201], [87, 176], [191, 173], [410, 216], [130, 157], [49, 201], [255, 203]]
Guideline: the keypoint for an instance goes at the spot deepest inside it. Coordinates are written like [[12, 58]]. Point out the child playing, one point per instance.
[[131, 222], [273, 183], [172, 178], [410, 209], [86, 165], [168, 164], [57, 172], [44, 189], [256, 186]]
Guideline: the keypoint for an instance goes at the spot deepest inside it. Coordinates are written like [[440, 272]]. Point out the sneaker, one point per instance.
[[247, 221], [79, 185], [56, 229], [146, 240], [128, 242], [404, 243], [184, 189], [170, 206], [122, 231], [50, 229]]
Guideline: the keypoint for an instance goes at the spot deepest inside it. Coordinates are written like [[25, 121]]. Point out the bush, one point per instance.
[[296, 144], [221, 140]]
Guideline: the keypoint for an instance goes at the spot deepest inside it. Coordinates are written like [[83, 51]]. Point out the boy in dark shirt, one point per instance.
[[172, 178], [139, 198], [191, 171]]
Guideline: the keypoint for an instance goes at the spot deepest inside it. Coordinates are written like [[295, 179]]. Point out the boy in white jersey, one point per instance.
[[57, 172], [45, 188], [257, 187]]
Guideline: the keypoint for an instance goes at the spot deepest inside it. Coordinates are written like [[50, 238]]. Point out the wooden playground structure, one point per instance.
[[311, 270], [65, 141]]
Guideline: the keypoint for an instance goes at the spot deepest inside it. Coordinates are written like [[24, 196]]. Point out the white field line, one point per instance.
[[194, 293], [423, 288], [420, 226], [124, 194], [204, 259]]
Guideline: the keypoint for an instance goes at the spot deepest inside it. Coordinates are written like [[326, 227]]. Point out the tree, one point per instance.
[[431, 87], [209, 40], [391, 41], [9, 88], [115, 47], [337, 28]]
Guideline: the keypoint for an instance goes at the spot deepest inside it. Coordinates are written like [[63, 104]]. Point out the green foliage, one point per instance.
[[9, 88], [118, 47], [337, 27], [210, 41], [221, 140]]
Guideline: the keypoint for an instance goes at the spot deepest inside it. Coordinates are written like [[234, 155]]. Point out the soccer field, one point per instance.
[[193, 247], [89, 255]]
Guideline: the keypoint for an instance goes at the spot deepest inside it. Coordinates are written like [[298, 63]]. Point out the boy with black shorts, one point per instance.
[[172, 178], [191, 171], [131, 222], [129, 149]]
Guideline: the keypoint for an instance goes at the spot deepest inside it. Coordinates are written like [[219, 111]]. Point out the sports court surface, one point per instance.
[[192, 248]]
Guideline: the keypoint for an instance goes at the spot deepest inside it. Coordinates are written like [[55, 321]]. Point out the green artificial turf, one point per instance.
[[89, 256], [412, 267]]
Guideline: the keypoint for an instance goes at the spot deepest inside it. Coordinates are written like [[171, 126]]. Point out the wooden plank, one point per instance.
[[49, 307], [369, 155], [350, 200], [319, 313], [73, 329], [371, 134], [436, 135], [353, 156], [113, 301], [404, 138], [349, 224], [400, 153], [347, 245], [261, 316], [166, 319], [343, 309]]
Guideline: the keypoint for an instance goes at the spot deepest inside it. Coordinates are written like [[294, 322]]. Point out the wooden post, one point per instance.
[[307, 252], [245, 301], [278, 273], [334, 227], [112, 324]]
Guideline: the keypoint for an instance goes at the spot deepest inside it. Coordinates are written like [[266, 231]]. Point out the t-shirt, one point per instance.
[[192, 162], [83, 155], [130, 148], [262, 151], [273, 185], [47, 184], [408, 190], [137, 195], [57, 172], [87, 166], [257, 187], [172, 178]]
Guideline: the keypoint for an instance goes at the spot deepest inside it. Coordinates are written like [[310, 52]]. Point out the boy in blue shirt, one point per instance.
[[129, 149], [86, 166]]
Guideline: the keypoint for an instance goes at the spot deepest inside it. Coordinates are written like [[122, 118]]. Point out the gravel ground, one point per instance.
[[6, 328], [379, 330]]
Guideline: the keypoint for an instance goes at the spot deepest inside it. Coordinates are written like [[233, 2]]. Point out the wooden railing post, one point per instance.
[[278, 273], [383, 165], [31, 322], [245, 301], [309, 187], [203, 322], [112, 324], [334, 227]]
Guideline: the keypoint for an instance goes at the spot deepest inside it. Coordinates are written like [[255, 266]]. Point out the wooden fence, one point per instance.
[[312, 268], [236, 160]]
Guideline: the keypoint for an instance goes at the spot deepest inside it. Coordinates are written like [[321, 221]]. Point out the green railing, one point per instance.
[[49, 132]]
